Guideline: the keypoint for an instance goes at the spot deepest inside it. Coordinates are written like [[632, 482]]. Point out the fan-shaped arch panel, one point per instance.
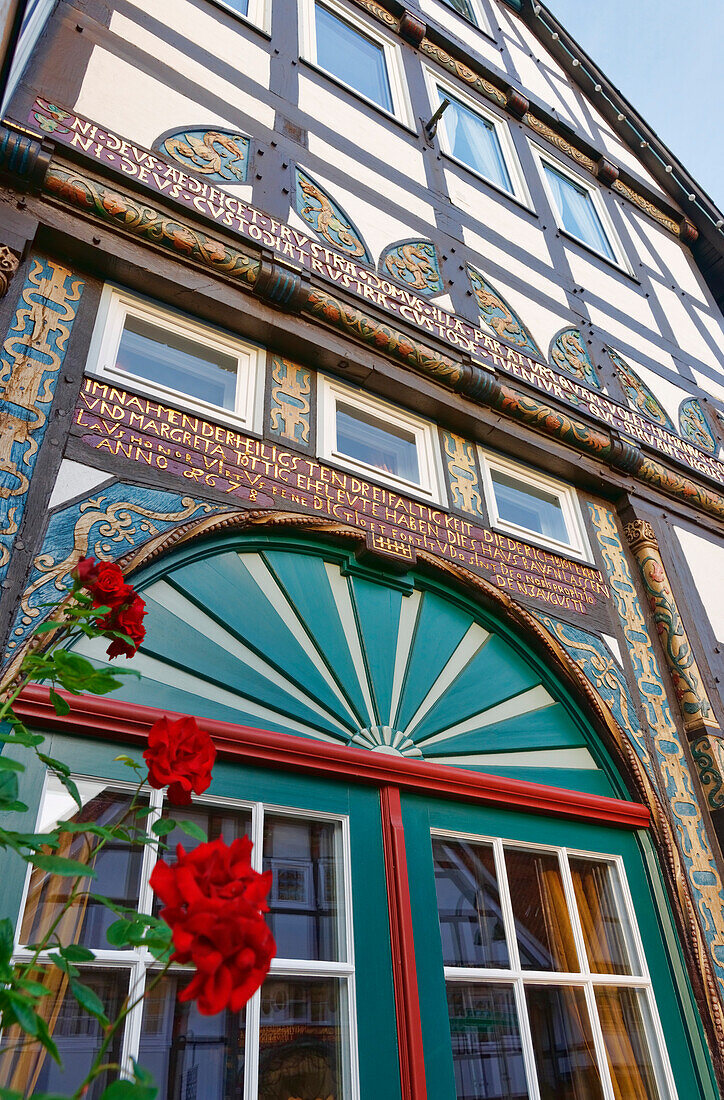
[[300, 640]]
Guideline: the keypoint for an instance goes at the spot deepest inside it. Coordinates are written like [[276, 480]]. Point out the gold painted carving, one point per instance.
[[380, 13], [464, 72], [327, 219], [559, 141], [646, 206], [411, 258], [691, 695], [289, 414], [463, 475], [204, 157], [9, 263]]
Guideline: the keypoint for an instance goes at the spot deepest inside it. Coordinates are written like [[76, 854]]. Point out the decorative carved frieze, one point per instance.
[[9, 263]]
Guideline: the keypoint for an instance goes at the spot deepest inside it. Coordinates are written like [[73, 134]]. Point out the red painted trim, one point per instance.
[[112, 719], [404, 966]]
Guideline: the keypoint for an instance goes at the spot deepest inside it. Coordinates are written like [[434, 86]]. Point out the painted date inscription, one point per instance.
[[267, 476]]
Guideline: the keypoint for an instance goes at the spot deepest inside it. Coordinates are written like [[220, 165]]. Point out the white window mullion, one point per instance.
[[526, 1039], [251, 1066], [132, 1028], [598, 1043]]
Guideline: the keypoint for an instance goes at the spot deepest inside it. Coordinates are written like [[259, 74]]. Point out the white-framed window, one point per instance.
[[253, 11], [476, 137], [579, 208], [356, 53], [305, 1006], [472, 10], [141, 344], [547, 986], [378, 440], [533, 506]]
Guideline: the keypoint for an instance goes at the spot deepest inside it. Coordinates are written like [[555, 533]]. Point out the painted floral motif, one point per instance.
[[290, 390], [414, 263], [695, 426], [462, 473], [638, 395], [326, 218], [568, 353], [220, 155], [498, 315]]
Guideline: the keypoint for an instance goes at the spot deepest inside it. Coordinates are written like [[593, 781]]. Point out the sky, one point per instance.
[[667, 58]]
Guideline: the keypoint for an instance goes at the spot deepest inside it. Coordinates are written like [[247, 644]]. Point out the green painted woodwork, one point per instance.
[[684, 1040], [283, 634]]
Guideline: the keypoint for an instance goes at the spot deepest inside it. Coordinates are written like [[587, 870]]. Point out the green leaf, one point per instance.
[[47, 1040], [106, 832], [26, 1016], [21, 736], [63, 965], [76, 953], [129, 1090], [164, 826], [11, 1094], [192, 829], [8, 789], [60, 865], [129, 763], [57, 765], [6, 940], [34, 989], [44, 628], [117, 933], [62, 706], [89, 1000], [7, 764]]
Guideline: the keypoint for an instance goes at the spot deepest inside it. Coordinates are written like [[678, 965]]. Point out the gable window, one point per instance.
[[530, 505], [296, 1031], [579, 209], [140, 344], [547, 989], [357, 54], [477, 138], [255, 11], [377, 439]]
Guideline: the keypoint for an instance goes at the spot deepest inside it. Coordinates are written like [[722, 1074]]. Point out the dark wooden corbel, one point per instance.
[[517, 104], [625, 455], [688, 233], [606, 171], [24, 159], [284, 287], [412, 29]]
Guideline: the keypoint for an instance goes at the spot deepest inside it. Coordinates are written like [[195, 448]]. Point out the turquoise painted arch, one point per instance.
[[294, 636]]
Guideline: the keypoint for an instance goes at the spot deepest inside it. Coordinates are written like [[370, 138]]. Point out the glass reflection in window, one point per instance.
[[577, 211], [542, 921], [563, 1043], [386, 447], [353, 57], [486, 1043], [301, 1046], [528, 506], [177, 363], [468, 905], [474, 140]]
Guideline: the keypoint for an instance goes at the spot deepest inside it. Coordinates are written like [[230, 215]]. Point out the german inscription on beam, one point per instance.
[[268, 476]]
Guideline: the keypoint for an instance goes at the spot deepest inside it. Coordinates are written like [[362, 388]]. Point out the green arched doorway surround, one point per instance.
[[294, 635]]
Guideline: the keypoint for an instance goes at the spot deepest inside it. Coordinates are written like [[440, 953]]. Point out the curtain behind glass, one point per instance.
[[577, 211], [473, 140], [353, 57]]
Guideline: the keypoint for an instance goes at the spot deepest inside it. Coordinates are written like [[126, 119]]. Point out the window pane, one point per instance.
[[474, 141], [117, 866], [27, 1067], [542, 923], [463, 7], [468, 905], [187, 366], [563, 1044], [350, 55], [305, 900], [625, 1022], [303, 1039], [528, 506], [486, 1045], [191, 1055], [577, 212], [600, 909], [370, 441], [241, 7]]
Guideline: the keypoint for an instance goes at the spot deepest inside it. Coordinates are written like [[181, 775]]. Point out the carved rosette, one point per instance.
[[691, 695]]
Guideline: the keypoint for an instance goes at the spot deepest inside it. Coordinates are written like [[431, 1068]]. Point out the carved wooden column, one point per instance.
[[700, 724]]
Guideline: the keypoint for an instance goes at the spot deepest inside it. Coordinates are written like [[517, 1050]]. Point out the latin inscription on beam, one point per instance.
[[267, 476]]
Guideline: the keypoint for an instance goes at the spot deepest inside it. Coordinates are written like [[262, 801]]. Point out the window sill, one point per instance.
[[361, 99], [568, 553], [264, 31]]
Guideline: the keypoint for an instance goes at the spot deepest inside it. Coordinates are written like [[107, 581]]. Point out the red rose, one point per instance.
[[214, 903], [179, 756], [128, 620], [104, 582]]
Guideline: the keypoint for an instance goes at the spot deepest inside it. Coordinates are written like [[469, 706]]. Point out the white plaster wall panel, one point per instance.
[[714, 324], [539, 83], [475, 41], [713, 389], [620, 335], [643, 254], [543, 323], [73, 479], [706, 562], [329, 105], [611, 288], [225, 38], [502, 216], [359, 172], [675, 259], [487, 250], [622, 155], [378, 229], [667, 393], [248, 58], [517, 29], [687, 334], [130, 115]]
